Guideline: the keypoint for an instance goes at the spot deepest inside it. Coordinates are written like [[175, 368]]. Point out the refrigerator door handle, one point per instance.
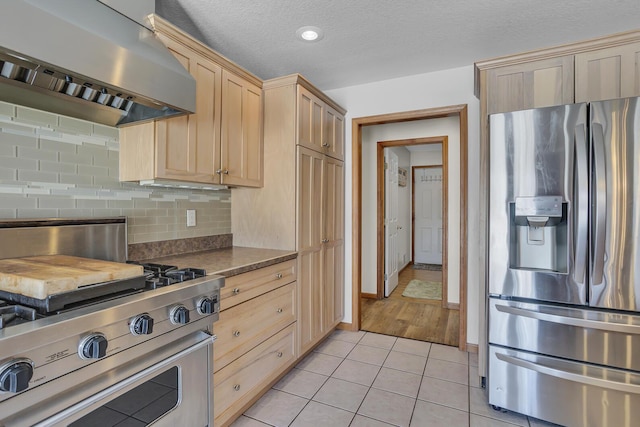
[[599, 203], [570, 376], [581, 198], [540, 314]]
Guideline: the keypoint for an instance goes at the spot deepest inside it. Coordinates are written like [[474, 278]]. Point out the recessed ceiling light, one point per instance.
[[309, 33]]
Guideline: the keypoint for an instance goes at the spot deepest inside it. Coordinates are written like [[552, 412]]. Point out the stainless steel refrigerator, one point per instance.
[[564, 263]]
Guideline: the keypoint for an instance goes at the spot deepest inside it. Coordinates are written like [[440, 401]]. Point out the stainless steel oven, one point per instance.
[[139, 359]]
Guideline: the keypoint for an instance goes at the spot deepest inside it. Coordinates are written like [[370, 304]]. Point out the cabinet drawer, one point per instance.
[[249, 285], [243, 326], [240, 381]]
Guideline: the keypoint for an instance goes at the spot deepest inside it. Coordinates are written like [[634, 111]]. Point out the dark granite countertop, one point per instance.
[[228, 262]]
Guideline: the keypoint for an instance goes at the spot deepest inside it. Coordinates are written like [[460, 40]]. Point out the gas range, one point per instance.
[[36, 348], [51, 360]]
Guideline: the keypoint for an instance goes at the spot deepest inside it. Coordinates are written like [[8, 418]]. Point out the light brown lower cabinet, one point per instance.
[[256, 340], [235, 385]]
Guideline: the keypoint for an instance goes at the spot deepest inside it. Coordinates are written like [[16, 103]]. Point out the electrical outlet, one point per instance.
[[191, 217]]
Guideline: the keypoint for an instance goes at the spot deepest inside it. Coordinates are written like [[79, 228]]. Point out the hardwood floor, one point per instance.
[[414, 318]]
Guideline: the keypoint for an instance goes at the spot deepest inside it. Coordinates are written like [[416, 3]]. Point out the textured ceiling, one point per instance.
[[371, 40]]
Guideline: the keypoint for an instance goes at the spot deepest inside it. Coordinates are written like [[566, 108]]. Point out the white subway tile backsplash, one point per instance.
[[7, 213], [17, 163], [37, 154], [20, 140], [106, 131], [7, 174], [56, 203], [92, 204], [75, 179], [58, 166], [50, 144], [7, 109], [75, 213], [11, 127], [75, 158], [29, 175], [38, 117], [37, 213], [68, 124], [92, 170], [15, 202], [7, 150]]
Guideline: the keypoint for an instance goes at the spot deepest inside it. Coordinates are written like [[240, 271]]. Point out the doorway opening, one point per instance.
[[459, 111], [411, 299]]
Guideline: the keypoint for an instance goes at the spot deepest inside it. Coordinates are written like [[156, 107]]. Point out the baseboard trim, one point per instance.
[[453, 306], [472, 348], [370, 296], [346, 327]]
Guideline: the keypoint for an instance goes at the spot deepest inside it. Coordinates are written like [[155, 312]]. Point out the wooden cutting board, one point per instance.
[[42, 276]]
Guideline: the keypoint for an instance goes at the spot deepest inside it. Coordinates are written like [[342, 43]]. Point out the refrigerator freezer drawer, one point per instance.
[[592, 336], [561, 391]]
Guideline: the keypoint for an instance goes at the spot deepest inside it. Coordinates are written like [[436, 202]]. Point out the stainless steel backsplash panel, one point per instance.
[[98, 238]]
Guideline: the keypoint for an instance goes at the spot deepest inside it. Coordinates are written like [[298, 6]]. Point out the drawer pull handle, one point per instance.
[[279, 354], [279, 276], [236, 333], [236, 387], [279, 310], [236, 291]]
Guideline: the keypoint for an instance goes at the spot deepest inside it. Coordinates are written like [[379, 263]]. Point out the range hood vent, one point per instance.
[[88, 61]]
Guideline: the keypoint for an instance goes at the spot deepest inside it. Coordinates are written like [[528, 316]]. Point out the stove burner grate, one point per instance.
[[11, 314]]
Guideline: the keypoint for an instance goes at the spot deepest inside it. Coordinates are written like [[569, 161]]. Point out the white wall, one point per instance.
[[430, 90], [448, 126]]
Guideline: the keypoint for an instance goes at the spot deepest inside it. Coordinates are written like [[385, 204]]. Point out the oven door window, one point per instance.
[[138, 407]]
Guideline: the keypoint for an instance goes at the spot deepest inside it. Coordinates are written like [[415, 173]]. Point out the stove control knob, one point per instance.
[[93, 346], [179, 315], [142, 324], [15, 375], [207, 305]]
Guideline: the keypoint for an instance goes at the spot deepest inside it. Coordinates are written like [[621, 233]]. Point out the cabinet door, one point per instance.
[[188, 147], [310, 120], [333, 133], [333, 274], [608, 73], [310, 246], [242, 148], [530, 85]]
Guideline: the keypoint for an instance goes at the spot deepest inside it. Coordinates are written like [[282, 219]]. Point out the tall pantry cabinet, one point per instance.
[[301, 205]]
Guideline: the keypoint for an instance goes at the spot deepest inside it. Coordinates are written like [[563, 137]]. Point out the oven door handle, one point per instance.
[[110, 391]]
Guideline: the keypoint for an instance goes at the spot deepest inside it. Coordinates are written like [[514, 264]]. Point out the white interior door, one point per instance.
[[390, 222], [428, 216]]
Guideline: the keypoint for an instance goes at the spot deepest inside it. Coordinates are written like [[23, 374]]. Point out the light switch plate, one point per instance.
[[191, 217]]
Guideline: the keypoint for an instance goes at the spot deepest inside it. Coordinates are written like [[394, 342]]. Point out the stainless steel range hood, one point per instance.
[[83, 59]]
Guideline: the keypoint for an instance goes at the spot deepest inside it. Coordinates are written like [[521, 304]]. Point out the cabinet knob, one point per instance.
[[279, 310], [218, 171], [236, 333], [236, 387], [226, 171], [325, 240], [279, 276], [279, 354], [326, 145], [236, 291]]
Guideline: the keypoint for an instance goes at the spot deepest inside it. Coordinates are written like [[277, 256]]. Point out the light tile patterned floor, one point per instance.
[[363, 379]]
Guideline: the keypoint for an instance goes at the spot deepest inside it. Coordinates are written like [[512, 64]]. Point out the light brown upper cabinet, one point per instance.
[[320, 127], [608, 73], [533, 84], [221, 143], [301, 206]]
